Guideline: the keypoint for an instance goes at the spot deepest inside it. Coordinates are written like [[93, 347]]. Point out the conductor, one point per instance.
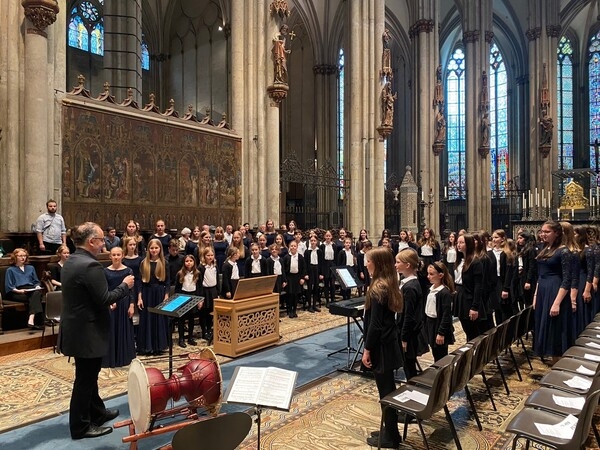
[[85, 328]]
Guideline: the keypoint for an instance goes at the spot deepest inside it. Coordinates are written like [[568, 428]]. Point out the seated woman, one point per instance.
[[22, 285], [63, 253]]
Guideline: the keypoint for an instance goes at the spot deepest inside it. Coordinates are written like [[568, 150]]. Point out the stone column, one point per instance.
[[123, 48], [477, 35], [37, 151], [363, 102], [543, 43]]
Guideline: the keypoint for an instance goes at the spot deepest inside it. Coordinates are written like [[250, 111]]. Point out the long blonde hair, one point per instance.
[[384, 282], [161, 270]]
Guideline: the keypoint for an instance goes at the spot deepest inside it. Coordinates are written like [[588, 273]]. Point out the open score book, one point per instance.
[[262, 386]]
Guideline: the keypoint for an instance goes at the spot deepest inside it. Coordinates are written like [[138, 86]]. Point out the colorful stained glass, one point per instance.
[[594, 88], [499, 158], [86, 28], [564, 85], [455, 111], [145, 56]]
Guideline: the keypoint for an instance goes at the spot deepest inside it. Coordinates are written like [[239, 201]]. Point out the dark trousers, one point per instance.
[[86, 405], [410, 367], [189, 318], [470, 327], [439, 351], [50, 248], [386, 385]]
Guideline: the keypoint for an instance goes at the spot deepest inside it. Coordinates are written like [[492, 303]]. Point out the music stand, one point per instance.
[[347, 280], [175, 307]]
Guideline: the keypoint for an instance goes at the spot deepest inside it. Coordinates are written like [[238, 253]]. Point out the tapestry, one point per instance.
[[118, 166]]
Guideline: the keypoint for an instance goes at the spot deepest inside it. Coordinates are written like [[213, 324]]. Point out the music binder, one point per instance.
[[269, 387]]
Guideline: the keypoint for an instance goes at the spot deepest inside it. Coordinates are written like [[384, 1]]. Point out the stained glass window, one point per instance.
[[86, 28], [145, 56], [498, 123], [341, 121], [455, 94], [594, 80], [564, 105]]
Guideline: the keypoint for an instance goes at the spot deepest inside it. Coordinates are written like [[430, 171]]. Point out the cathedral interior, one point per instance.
[[370, 114]]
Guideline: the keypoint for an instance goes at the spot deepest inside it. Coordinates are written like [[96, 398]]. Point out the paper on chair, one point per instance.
[[464, 349], [415, 396], [37, 288], [569, 402], [592, 344], [585, 371], [592, 357], [562, 430], [578, 383]]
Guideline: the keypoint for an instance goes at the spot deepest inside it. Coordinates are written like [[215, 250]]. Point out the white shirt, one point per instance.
[[276, 266], [426, 250], [497, 253], [406, 280], [301, 247], [235, 273], [451, 255], [349, 257], [431, 302], [294, 263], [188, 284], [210, 276], [329, 252], [402, 245], [314, 257], [255, 265], [458, 273]]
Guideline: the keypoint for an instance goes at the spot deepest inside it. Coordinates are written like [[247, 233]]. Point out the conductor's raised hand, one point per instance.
[[129, 280]]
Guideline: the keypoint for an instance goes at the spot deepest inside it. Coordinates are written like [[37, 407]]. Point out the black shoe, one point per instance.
[[402, 417], [373, 441], [311, 310], [94, 431], [192, 342], [109, 414], [182, 343], [317, 309]]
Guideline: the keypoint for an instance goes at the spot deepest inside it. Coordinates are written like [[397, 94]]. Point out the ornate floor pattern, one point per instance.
[[41, 381]]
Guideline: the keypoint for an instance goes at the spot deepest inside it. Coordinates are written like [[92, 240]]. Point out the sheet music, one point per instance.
[[262, 386], [592, 344], [37, 288], [563, 429], [579, 383], [569, 402], [585, 371], [415, 396], [592, 357]]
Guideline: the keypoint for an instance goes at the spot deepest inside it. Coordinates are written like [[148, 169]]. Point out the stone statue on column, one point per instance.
[[279, 89], [387, 105], [546, 122], [387, 98], [484, 109], [439, 140], [386, 57]]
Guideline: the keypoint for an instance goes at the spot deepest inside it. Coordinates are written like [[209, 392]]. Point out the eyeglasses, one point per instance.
[[98, 238]]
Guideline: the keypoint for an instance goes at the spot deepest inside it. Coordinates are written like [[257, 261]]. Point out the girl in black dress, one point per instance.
[[438, 310], [208, 280], [188, 282], [382, 352], [231, 274], [294, 273], [63, 253], [313, 257]]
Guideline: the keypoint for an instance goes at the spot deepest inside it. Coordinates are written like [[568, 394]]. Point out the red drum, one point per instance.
[[200, 383]]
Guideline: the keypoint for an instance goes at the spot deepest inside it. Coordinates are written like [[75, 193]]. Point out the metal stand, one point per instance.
[[348, 349], [257, 411]]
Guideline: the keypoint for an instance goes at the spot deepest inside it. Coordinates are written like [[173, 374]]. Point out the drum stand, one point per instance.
[[257, 411]]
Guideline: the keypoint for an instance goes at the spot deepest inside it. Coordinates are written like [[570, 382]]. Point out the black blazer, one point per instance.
[[443, 309], [226, 283], [381, 336], [320, 259], [341, 258], [470, 295], [285, 266], [198, 291], [248, 267], [85, 319]]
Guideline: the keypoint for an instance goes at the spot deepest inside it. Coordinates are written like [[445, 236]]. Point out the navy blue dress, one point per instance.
[[121, 348], [220, 253], [553, 334], [153, 331]]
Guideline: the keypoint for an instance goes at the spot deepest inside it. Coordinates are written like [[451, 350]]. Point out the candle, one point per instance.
[[422, 196], [558, 213], [549, 201], [590, 196], [543, 201], [445, 191], [524, 203], [529, 195], [572, 213], [597, 195]]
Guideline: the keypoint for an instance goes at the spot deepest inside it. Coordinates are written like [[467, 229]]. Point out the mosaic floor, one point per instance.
[[41, 381]]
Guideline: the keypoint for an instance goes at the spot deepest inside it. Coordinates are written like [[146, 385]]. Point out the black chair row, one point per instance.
[[451, 374], [580, 362]]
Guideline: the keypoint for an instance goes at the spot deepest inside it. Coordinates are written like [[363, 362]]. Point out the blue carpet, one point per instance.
[[307, 356]]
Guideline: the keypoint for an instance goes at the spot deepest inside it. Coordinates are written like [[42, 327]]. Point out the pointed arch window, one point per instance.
[[565, 105], [145, 55], [455, 89], [86, 26], [594, 95], [340, 130], [498, 123]]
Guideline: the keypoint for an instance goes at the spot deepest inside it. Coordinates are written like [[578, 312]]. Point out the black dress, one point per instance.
[[153, 332], [121, 348]]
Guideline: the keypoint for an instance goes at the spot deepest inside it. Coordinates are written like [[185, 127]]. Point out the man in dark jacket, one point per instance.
[[85, 328]]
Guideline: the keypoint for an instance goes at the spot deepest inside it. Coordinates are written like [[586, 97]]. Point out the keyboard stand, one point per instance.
[[349, 349]]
